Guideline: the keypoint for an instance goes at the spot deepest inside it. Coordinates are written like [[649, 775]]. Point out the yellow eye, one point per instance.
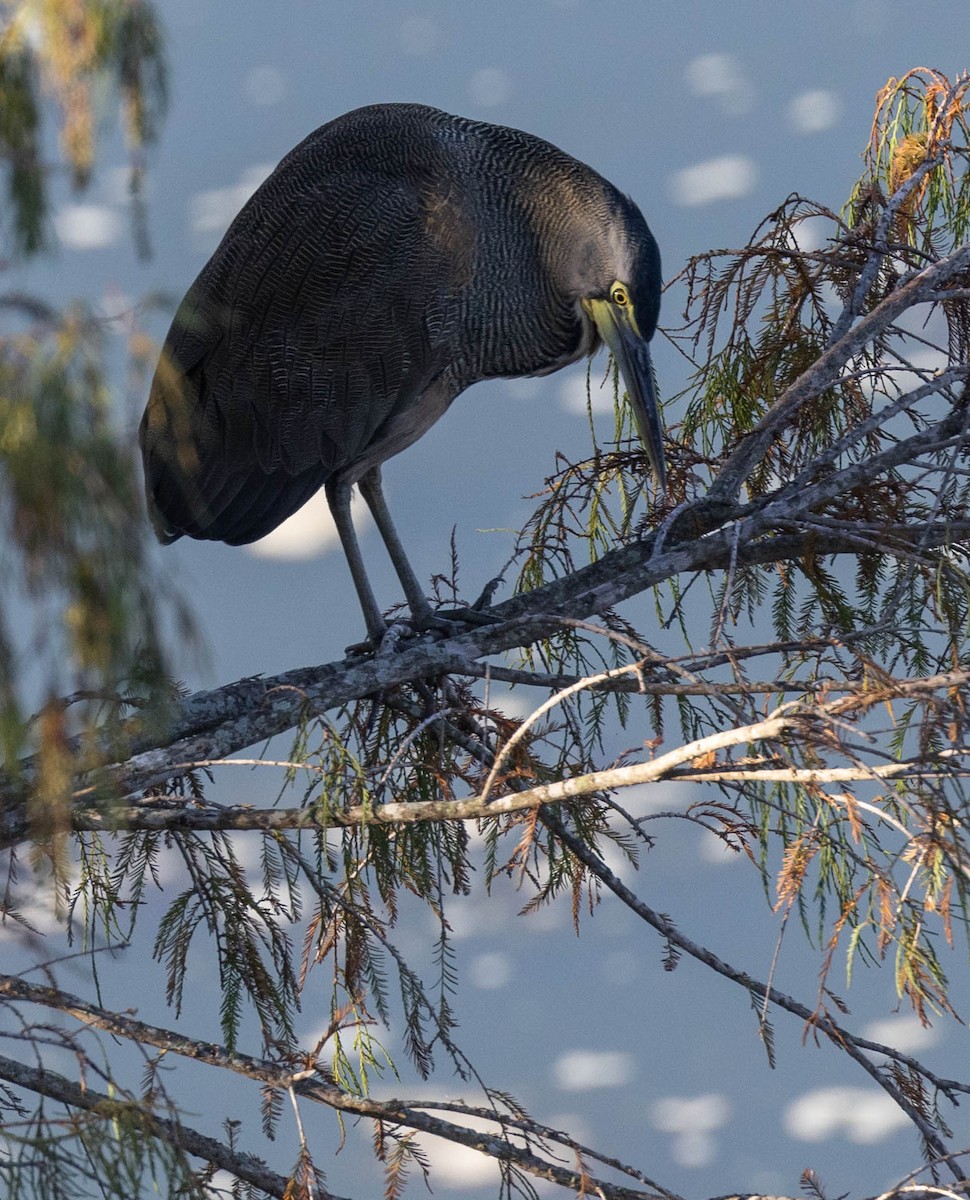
[[619, 295]]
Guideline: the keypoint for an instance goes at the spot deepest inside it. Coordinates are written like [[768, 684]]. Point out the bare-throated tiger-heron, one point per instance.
[[394, 257]]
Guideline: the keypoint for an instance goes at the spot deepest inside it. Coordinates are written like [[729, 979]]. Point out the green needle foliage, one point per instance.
[[75, 553], [70, 51], [893, 604]]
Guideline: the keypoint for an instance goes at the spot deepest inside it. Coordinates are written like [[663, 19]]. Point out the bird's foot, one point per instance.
[[443, 622], [451, 620], [474, 613], [384, 639]]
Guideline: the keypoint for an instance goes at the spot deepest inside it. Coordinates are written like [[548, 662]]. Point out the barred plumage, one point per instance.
[[394, 257]]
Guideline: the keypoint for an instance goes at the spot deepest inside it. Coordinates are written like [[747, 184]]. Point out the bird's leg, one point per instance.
[[422, 612], [338, 497], [373, 493]]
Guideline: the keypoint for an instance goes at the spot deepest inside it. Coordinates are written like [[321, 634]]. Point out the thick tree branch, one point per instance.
[[676, 765]]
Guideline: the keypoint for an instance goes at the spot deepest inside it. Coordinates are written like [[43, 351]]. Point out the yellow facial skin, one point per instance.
[[616, 322]]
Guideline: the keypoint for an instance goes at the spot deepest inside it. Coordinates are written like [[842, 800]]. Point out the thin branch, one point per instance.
[[45, 1082], [852, 1045], [174, 814], [877, 256], [314, 1085], [824, 372]]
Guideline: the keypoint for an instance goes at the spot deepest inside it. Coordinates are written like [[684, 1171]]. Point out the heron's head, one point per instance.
[[618, 285]]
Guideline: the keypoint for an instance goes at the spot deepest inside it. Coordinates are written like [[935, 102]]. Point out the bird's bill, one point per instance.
[[617, 327]]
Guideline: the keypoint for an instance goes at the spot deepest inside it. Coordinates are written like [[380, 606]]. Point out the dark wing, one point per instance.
[[318, 315]]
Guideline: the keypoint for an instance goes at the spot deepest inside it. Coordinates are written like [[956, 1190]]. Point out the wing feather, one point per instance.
[[305, 331]]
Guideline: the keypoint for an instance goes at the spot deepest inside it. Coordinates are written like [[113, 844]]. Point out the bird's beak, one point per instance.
[[618, 328]]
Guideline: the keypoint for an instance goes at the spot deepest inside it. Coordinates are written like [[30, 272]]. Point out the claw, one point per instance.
[[488, 593]]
